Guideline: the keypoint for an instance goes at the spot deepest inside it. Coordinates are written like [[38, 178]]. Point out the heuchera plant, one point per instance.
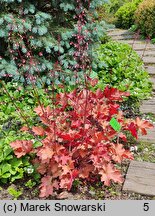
[[77, 139]]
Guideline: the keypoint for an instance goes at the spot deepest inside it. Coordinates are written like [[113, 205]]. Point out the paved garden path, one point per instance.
[[146, 51], [140, 177]]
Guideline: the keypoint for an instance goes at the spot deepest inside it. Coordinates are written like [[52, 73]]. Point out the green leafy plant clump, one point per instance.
[[125, 15], [120, 66], [17, 104], [15, 193]]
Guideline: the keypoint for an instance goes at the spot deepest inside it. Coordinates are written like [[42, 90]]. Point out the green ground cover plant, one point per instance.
[[15, 97], [121, 67], [15, 193]]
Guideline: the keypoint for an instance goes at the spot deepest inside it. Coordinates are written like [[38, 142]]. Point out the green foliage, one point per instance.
[[107, 10], [145, 17], [17, 96], [125, 15], [153, 40], [133, 28], [113, 5], [30, 184], [11, 120], [145, 152], [121, 67], [15, 193], [11, 168]]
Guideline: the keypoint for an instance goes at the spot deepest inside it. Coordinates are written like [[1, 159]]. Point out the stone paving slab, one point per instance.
[[149, 60], [139, 45], [143, 46], [131, 42], [146, 53], [150, 137], [116, 32], [150, 69], [148, 106], [124, 37], [152, 79], [140, 178]]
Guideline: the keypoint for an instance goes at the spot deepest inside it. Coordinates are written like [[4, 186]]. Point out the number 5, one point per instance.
[[146, 207]]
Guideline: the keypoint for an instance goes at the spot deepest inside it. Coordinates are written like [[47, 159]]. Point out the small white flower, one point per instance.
[[30, 170], [136, 148], [133, 148]]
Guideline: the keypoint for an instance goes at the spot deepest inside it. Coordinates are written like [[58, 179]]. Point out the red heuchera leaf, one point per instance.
[[143, 125], [70, 136], [54, 169], [114, 94], [24, 128], [98, 137], [93, 82], [85, 170], [133, 129], [44, 113], [62, 100], [99, 94], [45, 153], [21, 147], [64, 159], [119, 153], [47, 186], [67, 180], [110, 173], [99, 152], [113, 109], [122, 136], [38, 131], [76, 124], [40, 110], [42, 168], [68, 167], [75, 173]]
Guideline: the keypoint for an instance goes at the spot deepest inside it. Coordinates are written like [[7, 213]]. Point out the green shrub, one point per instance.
[[145, 17], [121, 67], [125, 14], [114, 5], [108, 9]]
